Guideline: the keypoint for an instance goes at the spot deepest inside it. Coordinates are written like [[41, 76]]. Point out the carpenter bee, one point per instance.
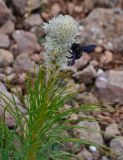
[[76, 52]]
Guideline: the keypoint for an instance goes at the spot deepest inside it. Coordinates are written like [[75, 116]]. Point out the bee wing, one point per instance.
[[88, 48]]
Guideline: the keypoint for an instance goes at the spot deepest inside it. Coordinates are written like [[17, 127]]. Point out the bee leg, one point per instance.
[[70, 52], [69, 57], [71, 62], [68, 63]]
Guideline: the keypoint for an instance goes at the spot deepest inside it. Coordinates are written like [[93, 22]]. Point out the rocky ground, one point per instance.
[[100, 74]]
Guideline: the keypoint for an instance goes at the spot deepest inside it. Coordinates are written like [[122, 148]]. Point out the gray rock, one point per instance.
[[55, 9], [86, 98], [104, 158], [38, 31], [105, 3], [22, 77], [2, 77], [106, 58], [89, 131], [86, 75], [33, 20], [8, 70], [8, 27], [11, 77], [109, 86], [105, 27], [36, 57], [14, 49], [96, 155], [27, 42], [33, 4], [17, 90], [72, 147], [85, 155], [117, 147], [5, 101], [25, 6], [111, 131], [4, 41], [88, 5], [6, 57], [23, 63], [20, 6], [83, 61], [4, 12]]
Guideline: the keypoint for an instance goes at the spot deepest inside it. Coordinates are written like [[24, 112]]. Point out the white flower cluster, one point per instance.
[[61, 32]]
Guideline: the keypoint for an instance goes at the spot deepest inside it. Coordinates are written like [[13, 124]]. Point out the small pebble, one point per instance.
[[106, 58], [78, 9], [98, 49], [11, 77], [92, 148], [73, 117], [35, 58], [9, 70], [55, 9], [4, 41], [8, 27], [22, 77], [14, 49], [2, 77], [70, 6], [99, 72]]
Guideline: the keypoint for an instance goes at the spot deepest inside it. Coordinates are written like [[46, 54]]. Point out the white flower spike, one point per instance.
[[61, 32]]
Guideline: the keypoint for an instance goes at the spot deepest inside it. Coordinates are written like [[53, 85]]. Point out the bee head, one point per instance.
[[75, 47]]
